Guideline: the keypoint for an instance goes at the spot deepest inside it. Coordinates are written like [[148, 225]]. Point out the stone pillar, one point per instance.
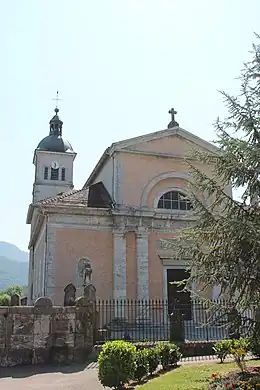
[[142, 265], [119, 266], [49, 277]]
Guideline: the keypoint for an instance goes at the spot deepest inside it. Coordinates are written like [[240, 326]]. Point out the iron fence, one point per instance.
[[137, 320]]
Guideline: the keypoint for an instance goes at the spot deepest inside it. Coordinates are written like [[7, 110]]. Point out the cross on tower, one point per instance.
[[173, 122], [57, 99]]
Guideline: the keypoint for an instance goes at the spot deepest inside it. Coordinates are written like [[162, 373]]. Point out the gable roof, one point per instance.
[[127, 143], [73, 196], [95, 196], [164, 133]]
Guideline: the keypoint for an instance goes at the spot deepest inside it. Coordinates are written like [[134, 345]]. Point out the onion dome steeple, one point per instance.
[[56, 124], [54, 141]]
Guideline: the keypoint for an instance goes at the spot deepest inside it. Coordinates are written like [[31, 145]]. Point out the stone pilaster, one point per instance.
[[49, 277], [142, 265], [119, 266]]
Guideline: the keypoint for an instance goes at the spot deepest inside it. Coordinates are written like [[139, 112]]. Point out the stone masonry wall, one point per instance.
[[46, 334]]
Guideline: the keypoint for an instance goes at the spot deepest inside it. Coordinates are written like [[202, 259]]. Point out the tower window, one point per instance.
[[63, 174], [174, 200], [54, 174], [46, 173]]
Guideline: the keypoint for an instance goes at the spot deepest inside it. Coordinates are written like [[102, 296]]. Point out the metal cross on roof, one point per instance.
[[57, 99], [173, 122], [173, 113]]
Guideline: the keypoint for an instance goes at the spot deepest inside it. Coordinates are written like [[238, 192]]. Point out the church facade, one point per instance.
[[115, 224]]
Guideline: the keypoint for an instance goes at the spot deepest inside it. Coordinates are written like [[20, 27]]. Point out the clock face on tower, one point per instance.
[[55, 165]]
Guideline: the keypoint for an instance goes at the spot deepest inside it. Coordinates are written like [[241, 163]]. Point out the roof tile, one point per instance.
[[70, 197]]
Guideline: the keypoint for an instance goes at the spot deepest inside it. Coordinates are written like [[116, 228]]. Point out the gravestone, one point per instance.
[[15, 300], [24, 301], [70, 295], [43, 302], [90, 293]]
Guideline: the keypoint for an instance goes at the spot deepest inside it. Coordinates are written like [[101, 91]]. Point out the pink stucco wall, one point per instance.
[[137, 171], [140, 170], [72, 244]]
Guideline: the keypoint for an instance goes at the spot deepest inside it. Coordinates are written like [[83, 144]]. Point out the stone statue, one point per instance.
[[90, 293], [84, 272]]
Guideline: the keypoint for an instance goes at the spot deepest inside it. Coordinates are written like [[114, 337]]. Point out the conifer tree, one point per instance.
[[224, 243]]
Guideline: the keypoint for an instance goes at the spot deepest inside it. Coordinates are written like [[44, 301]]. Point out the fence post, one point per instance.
[[176, 326]]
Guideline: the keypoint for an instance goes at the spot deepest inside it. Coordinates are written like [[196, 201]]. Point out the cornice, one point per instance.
[[74, 209], [156, 154], [36, 229]]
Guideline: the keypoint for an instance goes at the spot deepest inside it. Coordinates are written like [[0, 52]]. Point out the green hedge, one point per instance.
[[116, 363], [121, 361]]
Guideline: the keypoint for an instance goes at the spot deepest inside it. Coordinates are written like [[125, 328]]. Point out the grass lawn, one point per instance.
[[190, 376]]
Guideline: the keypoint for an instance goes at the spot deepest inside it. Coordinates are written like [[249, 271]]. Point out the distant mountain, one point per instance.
[[13, 265], [12, 273], [12, 252]]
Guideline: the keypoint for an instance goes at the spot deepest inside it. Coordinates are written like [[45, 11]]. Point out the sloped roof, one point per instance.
[[95, 196], [71, 197]]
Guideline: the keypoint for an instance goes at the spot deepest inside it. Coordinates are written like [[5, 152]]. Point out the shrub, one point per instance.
[[116, 363], [169, 354], [5, 300], [239, 356], [239, 349], [240, 343], [222, 349], [141, 368], [153, 359]]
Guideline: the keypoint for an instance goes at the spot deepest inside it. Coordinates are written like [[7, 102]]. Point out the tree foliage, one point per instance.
[[224, 244], [5, 295]]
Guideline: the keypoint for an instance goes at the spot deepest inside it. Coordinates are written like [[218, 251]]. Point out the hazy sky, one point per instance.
[[119, 66]]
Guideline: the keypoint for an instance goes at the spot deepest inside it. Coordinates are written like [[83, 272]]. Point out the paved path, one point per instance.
[[74, 377], [63, 378]]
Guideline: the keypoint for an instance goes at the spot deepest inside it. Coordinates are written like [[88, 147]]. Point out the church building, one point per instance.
[[113, 226]]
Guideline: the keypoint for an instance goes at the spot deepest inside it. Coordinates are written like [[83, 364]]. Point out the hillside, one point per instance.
[[12, 252], [13, 266]]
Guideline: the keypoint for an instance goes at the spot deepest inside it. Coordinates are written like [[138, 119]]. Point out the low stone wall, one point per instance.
[[44, 334]]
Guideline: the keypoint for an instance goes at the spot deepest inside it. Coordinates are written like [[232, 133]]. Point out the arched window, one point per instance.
[[174, 200]]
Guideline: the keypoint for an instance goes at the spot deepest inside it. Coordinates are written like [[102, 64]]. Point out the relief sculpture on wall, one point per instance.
[[84, 272]]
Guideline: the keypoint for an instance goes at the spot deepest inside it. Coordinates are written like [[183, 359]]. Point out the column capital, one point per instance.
[[142, 232], [118, 232]]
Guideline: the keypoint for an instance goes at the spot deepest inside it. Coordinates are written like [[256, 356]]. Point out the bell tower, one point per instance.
[[53, 160]]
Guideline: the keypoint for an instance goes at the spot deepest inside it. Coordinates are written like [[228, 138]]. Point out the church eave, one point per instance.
[[35, 232], [74, 209], [161, 134], [121, 145], [101, 162], [29, 214], [36, 151]]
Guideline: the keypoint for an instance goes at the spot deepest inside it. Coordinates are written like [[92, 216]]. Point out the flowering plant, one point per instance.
[[216, 382]]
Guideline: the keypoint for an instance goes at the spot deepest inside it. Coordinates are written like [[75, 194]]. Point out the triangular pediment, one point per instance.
[[174, 141]]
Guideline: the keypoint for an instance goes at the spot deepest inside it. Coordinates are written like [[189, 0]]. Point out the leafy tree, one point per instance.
[[224, 244], [11, 290], [5, 300]]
